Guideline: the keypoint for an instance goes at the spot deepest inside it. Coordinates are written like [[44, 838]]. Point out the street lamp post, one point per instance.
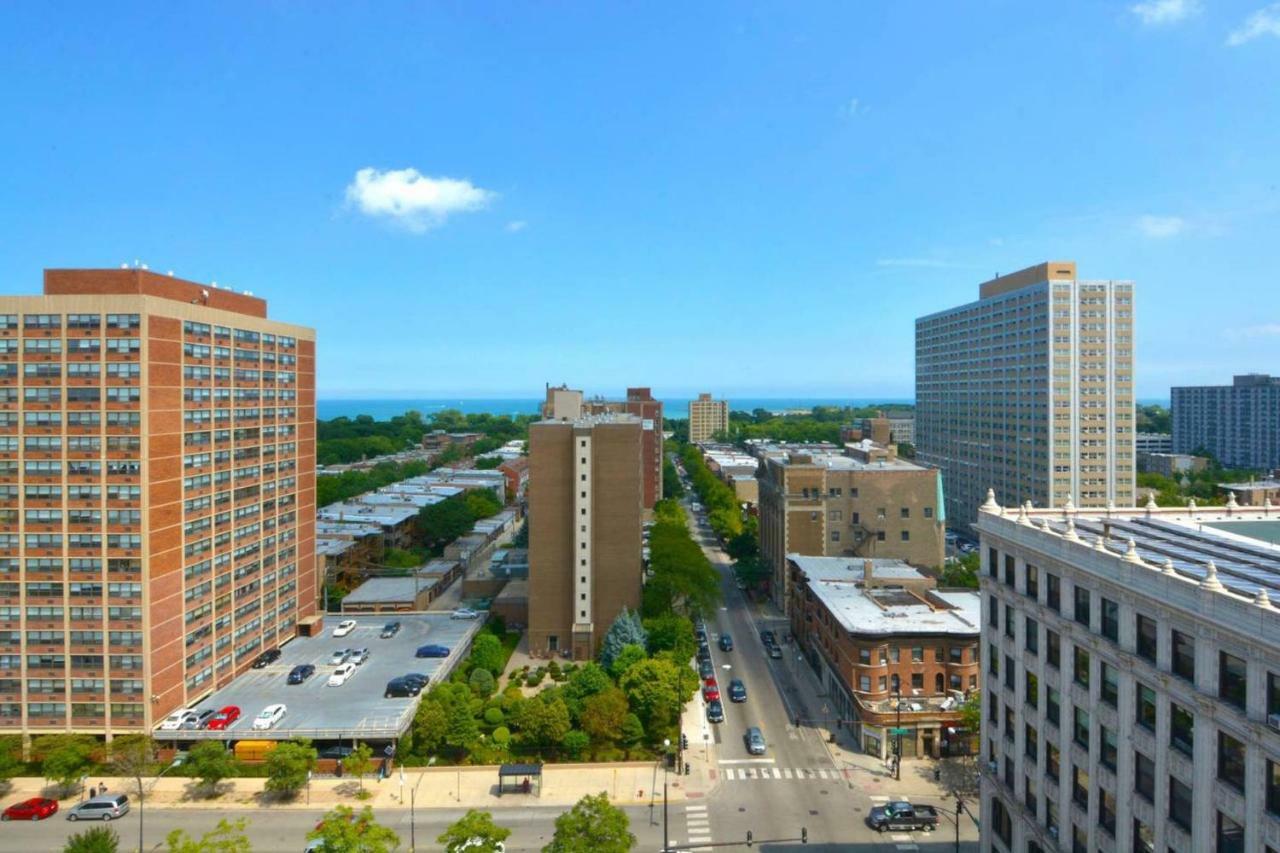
[[897, 741], [665, 841], [142, 799]]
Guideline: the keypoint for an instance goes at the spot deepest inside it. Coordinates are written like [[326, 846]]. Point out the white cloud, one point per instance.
[[1264, 22], [1263, 330], [1161, 227], [517, 225], [1155, 13], [414, 200]]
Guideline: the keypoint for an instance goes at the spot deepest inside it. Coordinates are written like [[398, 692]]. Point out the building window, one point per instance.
[[993, 563], [1107, 811], [1080, 786], [905, 512], [1145, 707], [835, 536], [1009, 574], [1180, 804], [1110, 684], [1273, 787], [1182, 728], [1081, 667], [1082, 605], [1052, 761], [894, 654], [1232, 685], [864, 656], [917, 681], [1032, 582], [1031, 689], [1107, 737], [917, 654], [1053, 592], [1110, 620], [1053, 648], [1081, 731], [993, 611], [1146, 630], [1231, 761], [1144, 777], [1002, 821], [1030, 743], [937, 654], [1008, 621], [906, 535], [1230, 835], [879, 535], [1031, 636], [928, 512], [1053, 705], [864, 683], [1184, 656]]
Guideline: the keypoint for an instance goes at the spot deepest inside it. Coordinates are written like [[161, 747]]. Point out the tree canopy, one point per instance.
[[343, 830], [288, 765], [626, 630], [226, 837], [474, 832], [593, 825]]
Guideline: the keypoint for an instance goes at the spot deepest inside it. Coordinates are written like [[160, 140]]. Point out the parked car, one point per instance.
[[432, 651], [903, 816], [341, 674], [775, 652], [715, 711], [36, 808], [346, 626], [268, 717], [202, 719], [179, 719], [339, 657], [706, 670], [359, 656], [737, 690], [704, 652], [464, 613], [710, 692], [754, 741], [389, 630], [267, 658], [701, 635], [301, 673], [418, 677], [107, 807], [224, 719], [767, 637], [401, 687], [710, 680], [726, 643]]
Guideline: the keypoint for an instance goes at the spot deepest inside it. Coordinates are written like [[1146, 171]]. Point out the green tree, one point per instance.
[[209, 762], [632, 731], [100, 839], [288, 765], [360, 762], [542, 722], [10, 757], [653, 691], [626, 630], [64, 759], [440, 524], [133, 757], [584, 682], [961, 574], [971, 712], [343, 830], [483, 503], [751, 571], [604, 714], [629, 657], [575, 742], [482, 683], [487, 653], [474, 832], [226, 837], [671, 633], [428, 726], [593, 825], [462, 730]]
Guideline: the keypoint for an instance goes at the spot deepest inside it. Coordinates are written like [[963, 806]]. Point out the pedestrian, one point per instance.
[[93, 792], [102, 787]]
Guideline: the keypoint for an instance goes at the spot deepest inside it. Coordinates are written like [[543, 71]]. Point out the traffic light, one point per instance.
[[750, 840], [687, 768], [804, 835], [684, 741]]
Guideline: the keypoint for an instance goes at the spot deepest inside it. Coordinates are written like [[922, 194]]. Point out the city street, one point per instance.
[[797, 783]]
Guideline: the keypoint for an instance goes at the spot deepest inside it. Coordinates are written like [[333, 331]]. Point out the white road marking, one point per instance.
[[879, 798], [695, 808], [786, 773], [899, 836], [748, 761]]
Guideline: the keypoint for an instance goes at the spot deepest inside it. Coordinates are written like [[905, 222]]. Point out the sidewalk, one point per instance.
[[631, 783]]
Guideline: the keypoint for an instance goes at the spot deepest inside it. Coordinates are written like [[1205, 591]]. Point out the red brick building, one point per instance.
[[157, 495], [878, 633]]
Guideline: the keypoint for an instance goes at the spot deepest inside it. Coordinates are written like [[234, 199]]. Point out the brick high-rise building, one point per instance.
[[585, 506], [707, 417], [1029, 391], [564, 403], [157, 496]]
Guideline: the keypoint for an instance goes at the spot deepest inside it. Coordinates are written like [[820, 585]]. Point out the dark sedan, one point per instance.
[[301, 673], [737, 691], [267, 658], [432, 651]]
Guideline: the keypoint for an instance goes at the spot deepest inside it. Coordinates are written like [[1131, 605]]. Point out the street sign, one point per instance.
[[897, 731]]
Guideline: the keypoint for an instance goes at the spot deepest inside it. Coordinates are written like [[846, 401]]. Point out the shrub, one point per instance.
[[494, 716], [502, 735], [482, 683], [575, 742], [534, 679]]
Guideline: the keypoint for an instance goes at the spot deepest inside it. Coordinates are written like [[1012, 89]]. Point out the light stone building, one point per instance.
[[1029, 391], [707, 417], [1131, 661]]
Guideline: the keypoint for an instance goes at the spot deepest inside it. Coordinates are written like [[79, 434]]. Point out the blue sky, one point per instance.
[[749, 198]]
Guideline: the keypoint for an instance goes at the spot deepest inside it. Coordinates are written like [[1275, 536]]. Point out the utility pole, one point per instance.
[[897, 743]]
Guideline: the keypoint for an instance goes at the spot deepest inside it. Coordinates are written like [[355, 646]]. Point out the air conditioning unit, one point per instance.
[[1273, 720]]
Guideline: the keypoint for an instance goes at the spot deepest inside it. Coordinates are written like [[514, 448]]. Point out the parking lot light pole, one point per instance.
[[142, 799]]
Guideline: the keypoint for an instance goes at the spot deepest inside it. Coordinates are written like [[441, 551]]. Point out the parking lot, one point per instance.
[[355, 709]]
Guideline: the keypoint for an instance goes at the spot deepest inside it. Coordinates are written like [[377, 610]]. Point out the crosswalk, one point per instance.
[[752, 774], [697, 826]]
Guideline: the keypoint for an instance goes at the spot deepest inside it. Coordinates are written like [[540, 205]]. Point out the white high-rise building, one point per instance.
[[1029, 391]]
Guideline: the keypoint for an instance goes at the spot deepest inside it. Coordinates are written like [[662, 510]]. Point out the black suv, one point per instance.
[[737, 691], [768, 638], [401, 687], [301, 673], [267, 658], [726, 643]]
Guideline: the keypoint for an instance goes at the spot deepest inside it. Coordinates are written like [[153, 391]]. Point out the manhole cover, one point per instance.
[[813, 812], [824, 793]]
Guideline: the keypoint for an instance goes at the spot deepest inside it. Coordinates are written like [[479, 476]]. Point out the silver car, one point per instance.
[[106, 807], [754, 741]]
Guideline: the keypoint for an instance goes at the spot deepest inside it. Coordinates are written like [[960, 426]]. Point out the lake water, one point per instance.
[[384, 409]]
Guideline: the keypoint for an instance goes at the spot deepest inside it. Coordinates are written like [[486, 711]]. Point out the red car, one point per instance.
[[224, 718], [710, 692], [711, 681], [36, 808]]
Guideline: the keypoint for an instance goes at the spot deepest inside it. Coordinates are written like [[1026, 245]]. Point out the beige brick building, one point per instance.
[[1029, 391], [707, 417], [864, 503], [157, 496], [586, 500]]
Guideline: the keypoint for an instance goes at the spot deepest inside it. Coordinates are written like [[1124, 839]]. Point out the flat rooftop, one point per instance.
[[390, 590], [839, 462], [357, 709]]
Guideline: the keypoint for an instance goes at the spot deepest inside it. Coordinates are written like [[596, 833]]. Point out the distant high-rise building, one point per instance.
[[1153, 442], [707, 417], [586, 493], [1029, 391], [157, 496], [565, 403], [1238, 423]]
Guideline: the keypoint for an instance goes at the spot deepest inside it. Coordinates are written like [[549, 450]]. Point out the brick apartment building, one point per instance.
[[585, 507], [879, 633], [157, 496], [866, 502]]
